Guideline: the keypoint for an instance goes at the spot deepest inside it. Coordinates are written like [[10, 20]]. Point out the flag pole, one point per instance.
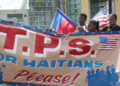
[[108, 6], [109, 2]]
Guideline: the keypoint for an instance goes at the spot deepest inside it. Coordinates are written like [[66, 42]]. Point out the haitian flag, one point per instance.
[[62, 24]]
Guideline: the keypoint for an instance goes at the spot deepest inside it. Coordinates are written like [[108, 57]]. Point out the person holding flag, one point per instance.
[[112, 24]]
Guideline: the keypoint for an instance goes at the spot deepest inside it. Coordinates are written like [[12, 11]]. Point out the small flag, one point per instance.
[[62, 24], [102, 16], [108, 43]]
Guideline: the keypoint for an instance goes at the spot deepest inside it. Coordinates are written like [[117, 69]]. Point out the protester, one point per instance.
[[93, 26], [82, 20], [112, 24]]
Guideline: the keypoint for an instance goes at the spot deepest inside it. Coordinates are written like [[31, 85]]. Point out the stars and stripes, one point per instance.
[[103, 16], [108, 43]]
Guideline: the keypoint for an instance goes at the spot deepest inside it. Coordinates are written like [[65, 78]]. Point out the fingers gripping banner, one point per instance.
[[35, 58]]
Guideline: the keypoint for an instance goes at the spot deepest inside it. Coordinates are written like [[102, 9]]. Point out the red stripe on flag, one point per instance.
[[110, 44], [66, 27], [103, 21], [101, 26], [103, 17]]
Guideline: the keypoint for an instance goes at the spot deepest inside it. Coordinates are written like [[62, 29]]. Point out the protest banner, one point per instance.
[[33, 57]]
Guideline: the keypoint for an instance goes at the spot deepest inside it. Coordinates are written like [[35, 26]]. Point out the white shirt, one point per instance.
[[84, 27]]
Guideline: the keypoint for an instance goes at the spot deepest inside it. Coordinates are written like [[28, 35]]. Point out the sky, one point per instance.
[[10, 4]]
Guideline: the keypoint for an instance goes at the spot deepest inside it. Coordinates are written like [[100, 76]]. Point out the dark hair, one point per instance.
[[114, 15], [96, 23], [84, 15]]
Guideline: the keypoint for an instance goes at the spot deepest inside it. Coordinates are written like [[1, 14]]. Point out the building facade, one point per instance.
[[117, 10], [42, 13], [20, 16]]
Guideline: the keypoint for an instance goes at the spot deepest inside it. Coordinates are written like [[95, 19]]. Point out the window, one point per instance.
[[15, 17], [74, 9], [41, 13]]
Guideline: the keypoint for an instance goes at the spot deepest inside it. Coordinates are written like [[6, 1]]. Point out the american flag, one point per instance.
[[102, 16], [108, 43]]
